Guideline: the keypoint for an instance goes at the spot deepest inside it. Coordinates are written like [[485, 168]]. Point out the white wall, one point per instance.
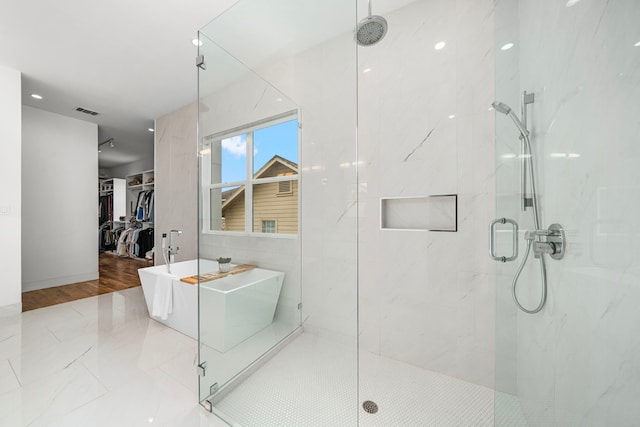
[[59, 200], [129, 168], [10, 188]]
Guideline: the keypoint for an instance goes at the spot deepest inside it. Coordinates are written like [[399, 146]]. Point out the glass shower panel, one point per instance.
[[509, 157], [575, 362], [425, 297], [278, 98], [243, 315]]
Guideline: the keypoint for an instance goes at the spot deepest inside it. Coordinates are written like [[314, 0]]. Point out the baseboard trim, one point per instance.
[[59, 281]]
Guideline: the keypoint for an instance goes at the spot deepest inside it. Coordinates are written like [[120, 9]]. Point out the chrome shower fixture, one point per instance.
[[549, 241], [371, 29], [505, 109], [500, 107]]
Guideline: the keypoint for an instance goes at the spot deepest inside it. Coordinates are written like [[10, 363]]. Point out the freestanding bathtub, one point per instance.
[[233, 308]]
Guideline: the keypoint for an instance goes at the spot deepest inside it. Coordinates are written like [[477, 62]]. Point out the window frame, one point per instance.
[[250, 181], [275, 226], [285, 193]]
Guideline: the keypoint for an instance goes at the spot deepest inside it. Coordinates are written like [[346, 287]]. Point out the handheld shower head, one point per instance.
[[500, 107], [505, 109]]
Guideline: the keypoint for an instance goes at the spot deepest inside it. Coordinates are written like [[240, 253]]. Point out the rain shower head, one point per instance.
[[505, 109], [371, 29]]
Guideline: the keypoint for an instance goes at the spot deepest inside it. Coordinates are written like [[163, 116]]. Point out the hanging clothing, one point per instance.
[[105, 208], [144, 206], [123, 242]]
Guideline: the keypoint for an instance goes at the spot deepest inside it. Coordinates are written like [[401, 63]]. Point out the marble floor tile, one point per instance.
[[8, 379], [40, 402], [98, 361], [103, 362]]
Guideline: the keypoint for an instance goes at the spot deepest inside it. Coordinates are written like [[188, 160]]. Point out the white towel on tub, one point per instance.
[[163, 296]]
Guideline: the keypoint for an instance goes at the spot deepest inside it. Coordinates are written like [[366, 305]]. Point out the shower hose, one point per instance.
[[543, 273]]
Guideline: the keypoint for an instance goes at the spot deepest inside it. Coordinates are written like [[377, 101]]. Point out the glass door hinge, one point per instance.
[[202, 369], [200, 62], [207, 405]]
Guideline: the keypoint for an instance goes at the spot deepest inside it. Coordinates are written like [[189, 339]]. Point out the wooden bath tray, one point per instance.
[[207, 277]]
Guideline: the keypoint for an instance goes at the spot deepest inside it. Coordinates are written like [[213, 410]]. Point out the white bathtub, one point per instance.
[[234, 307]]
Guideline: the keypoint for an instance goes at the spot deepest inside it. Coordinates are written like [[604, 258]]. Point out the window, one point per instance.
[[250, 178], [284, 187], [269, 226]]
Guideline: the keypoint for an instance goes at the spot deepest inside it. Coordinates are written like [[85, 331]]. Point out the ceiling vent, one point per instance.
[[84, 110]]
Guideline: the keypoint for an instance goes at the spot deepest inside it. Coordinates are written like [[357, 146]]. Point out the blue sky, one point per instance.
[[281, 139]]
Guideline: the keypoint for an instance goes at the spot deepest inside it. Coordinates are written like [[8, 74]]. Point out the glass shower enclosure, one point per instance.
[[353, 188], [277, 124]]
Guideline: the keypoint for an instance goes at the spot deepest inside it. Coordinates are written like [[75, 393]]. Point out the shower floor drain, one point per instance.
[[370, 407]]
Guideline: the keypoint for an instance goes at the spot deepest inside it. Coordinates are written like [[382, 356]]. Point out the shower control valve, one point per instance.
[[554, 244], [540, 248]]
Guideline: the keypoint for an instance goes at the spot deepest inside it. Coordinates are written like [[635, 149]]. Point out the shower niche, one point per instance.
[[424, 213]]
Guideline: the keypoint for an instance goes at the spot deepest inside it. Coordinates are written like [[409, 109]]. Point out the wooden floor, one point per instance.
[[116, 273]]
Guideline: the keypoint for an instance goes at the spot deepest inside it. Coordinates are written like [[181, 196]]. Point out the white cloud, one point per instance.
[[236, 145]]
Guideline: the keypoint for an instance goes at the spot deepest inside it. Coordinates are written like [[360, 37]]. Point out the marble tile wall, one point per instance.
[[577, 360], [176, 178], [426, 298]]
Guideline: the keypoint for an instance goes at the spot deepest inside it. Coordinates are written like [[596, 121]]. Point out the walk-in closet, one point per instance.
[[126, 214]]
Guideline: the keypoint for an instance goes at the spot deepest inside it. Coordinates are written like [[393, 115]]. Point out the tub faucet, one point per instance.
[[171, 249], [168, 252]]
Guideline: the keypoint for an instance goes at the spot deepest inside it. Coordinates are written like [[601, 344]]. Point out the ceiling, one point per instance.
[[131, 61]]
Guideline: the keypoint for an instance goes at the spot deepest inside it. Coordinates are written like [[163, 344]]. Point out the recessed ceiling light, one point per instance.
[[36, 96], [452, 116], [637, 44], [439, 45], [507, 46], [151, 130], [572, 3], [196, 42], [278, 99], [366, 70]]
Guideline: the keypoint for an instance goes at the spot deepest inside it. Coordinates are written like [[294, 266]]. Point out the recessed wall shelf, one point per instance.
[[420, 213]]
